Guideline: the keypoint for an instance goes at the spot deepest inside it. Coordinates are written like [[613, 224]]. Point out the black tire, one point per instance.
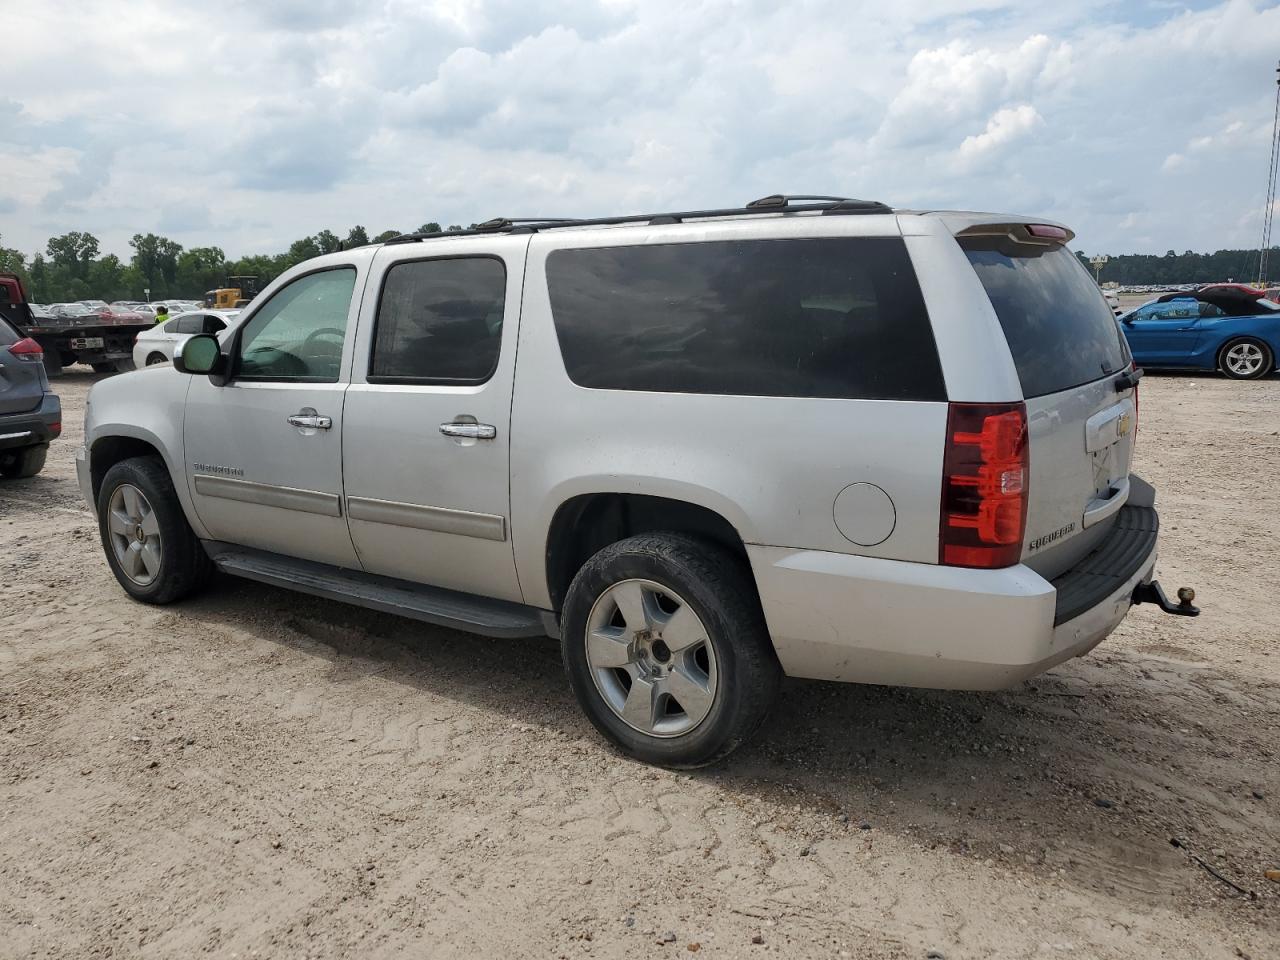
[[1264, 369], [104, 366], [23, 462], [53, 363], [719, 588], [125, 366], [155, 358], [184, 566]]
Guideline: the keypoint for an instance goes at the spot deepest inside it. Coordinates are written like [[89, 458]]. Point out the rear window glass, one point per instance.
[[8, 335], [837, 318], [1060, 330]]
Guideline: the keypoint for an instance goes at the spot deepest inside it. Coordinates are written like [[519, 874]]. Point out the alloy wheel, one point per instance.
[[135, 534], [1244, 359], [651, 658]]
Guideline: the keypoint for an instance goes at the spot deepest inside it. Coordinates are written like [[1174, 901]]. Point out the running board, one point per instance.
[[444, 608]]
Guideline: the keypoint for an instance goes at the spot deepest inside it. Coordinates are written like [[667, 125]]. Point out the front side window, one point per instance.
[[835, 318], [298, 333], [439, 321]]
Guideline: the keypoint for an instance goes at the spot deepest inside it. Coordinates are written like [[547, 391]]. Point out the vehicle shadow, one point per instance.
[[1091, 769]]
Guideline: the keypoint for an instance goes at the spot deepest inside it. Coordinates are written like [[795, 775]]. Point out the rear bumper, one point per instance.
[[866, 620], [35, 426]]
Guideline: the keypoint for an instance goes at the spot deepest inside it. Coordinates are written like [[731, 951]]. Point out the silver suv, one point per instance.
[[811, 436]]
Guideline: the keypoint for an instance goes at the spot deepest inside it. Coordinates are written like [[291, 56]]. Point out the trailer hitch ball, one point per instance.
[[1185, 596]]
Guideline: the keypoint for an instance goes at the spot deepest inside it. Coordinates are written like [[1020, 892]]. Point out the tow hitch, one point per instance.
[[1154, 593]]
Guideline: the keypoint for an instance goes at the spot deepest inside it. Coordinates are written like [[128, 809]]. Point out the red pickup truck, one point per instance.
[[104, 340]]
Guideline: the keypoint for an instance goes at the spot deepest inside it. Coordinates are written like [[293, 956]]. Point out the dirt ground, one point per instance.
[[261, 774]]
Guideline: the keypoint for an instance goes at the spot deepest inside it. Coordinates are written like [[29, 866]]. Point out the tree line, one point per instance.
[[1142, 269], [73, 267]]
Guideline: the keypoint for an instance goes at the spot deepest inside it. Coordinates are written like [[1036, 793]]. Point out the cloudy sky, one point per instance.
[[249, 123]]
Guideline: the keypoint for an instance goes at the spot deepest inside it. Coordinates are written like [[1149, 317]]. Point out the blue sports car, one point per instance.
[[1217, 329]]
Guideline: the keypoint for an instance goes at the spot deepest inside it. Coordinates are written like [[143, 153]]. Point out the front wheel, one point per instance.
[[667, 651], [1246, 359], [150, 547]]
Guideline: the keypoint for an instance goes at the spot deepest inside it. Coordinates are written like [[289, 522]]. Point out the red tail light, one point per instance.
[[984, 485], [27, 349], [55, 428]]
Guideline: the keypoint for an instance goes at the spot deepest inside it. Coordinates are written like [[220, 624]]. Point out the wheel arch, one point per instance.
[[585, 523], [117, 442]]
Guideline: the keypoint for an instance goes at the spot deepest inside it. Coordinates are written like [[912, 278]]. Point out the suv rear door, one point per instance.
[[22, 382], [426, 457], [1069, 353]]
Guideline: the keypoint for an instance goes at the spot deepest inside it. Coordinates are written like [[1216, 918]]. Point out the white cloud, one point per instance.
[[251, 127], [1005, 126]]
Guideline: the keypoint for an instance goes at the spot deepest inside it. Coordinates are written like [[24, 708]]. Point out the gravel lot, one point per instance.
[[256, 773]]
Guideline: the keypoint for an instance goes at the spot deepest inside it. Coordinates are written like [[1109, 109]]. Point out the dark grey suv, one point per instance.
[[30, 414]]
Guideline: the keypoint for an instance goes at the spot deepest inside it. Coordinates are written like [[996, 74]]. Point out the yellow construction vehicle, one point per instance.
[[233, 294]]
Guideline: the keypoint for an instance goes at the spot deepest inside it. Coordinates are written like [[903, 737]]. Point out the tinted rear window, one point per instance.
[[8, 335], [838, 318], [1060, 330]]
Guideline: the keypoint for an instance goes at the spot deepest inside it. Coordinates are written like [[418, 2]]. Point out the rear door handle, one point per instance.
[[469, 431], [312, 421]]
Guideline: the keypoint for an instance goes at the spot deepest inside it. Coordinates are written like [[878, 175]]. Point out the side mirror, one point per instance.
[[200, 354]]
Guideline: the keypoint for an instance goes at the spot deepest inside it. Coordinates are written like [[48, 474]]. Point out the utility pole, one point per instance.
[[1264, 249]]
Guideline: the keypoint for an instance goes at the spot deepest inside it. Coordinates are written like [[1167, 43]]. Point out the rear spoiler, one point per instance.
[[1028, 234]]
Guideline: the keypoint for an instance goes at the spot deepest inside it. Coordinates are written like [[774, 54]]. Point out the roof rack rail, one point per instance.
[[784, 201], [774, 203]]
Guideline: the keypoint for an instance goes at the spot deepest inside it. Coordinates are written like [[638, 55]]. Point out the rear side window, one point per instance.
[[836, 318], [439, 321], [8, 335], [1060, 330]]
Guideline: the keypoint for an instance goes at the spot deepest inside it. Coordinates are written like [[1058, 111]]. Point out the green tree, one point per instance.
[[303, 249], [201, 269], [357, 237], [13, 261], [328, 241], [107, 279], [73, 252], [40, 290], [431, 227], [156, 259], [386, 235]]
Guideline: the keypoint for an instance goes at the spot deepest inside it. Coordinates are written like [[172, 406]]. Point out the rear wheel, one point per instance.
[[23, 462], [53, 362], [155, 358], [105, 366], [1246, 359], [150, 547], [666, 649]]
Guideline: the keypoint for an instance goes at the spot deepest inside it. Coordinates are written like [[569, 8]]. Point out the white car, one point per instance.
[[810, 436], [157, 344]]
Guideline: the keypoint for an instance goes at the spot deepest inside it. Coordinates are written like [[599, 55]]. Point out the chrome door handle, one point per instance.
[[469, 431], [311, 421]]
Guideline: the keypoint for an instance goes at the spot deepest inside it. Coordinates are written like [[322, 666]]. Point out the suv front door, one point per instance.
[[264, 450], [427, 449]]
